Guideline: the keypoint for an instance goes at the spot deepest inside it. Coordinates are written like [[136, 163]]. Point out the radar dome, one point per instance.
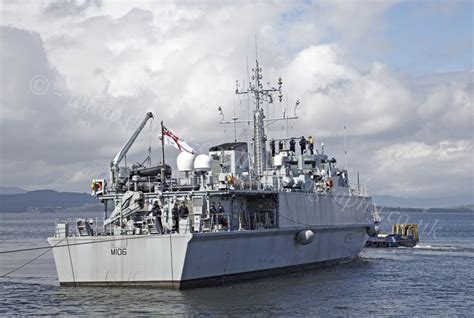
[[202, 162], [185, 162]]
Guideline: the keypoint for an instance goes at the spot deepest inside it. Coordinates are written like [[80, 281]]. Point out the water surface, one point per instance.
[[435, 278]]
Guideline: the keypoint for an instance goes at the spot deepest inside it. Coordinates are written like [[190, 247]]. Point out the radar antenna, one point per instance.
[[261, 95]]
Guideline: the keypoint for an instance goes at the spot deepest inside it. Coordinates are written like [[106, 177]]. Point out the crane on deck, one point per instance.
[[114, 164]]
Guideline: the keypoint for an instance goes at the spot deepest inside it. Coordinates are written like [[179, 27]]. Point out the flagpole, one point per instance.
[[162, 143], [163, 167]]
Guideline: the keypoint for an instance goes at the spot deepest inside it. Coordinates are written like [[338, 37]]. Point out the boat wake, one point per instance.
[[444, 248]]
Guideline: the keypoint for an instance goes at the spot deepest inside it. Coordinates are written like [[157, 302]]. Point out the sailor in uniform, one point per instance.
[[221, 218], [214, 213], [175, 213], [303, 144], [272, 147], [311, 144], [156, 212], [292, 145], [183, 211]]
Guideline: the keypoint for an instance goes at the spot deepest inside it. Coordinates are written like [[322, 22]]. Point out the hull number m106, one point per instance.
[[118, 251]]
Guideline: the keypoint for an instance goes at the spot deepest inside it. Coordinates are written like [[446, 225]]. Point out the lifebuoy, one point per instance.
[[96, 186]]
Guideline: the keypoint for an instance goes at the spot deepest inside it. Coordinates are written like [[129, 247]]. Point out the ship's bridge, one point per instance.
[[230, 158]]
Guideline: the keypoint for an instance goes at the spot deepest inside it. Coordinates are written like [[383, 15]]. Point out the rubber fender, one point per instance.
[[304, 237], [372, 230]]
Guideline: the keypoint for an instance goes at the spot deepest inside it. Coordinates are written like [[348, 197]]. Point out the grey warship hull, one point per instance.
[[200, 259]]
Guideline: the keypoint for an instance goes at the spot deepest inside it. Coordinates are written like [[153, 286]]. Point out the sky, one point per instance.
[[77, 77]]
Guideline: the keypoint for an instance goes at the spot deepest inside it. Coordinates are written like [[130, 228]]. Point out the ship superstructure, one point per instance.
[[238, 211]]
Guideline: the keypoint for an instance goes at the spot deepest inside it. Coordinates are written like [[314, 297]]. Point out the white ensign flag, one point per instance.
[[171, 140]]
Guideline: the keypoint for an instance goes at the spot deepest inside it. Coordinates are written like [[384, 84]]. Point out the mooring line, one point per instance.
[[31, 260]]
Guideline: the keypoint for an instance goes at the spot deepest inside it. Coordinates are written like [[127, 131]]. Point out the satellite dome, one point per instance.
[[185, 162], [202, 163]]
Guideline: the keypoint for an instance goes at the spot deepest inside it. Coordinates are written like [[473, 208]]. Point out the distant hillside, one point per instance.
[[460, 209], [51, 201], [47, 201], [423, 203], [11, 190], [467, 206]]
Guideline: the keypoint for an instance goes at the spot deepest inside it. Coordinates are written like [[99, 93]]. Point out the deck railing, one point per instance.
[[359, 189]]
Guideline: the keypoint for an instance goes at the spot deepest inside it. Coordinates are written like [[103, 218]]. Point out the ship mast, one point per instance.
[[260, 95]]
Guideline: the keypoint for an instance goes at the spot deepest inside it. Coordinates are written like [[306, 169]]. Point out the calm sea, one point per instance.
[[436, 278]]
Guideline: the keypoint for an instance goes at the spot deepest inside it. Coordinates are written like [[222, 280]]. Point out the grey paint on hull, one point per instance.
[[212, 281], [200, 258], [177, 260]]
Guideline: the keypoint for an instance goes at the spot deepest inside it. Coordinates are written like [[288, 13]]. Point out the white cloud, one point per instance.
[[375, 101], [419, 169], [108, 63], [449, 106]]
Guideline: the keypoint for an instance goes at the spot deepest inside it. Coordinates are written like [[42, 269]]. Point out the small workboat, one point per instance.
[[405, 235]]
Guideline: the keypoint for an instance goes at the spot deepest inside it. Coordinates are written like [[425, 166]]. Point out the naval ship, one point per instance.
[[242, 210]]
